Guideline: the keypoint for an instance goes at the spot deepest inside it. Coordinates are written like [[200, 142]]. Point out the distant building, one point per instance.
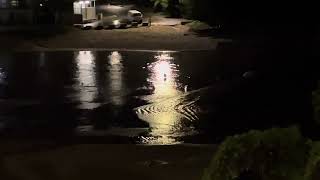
[[29, 12], [17, 12]]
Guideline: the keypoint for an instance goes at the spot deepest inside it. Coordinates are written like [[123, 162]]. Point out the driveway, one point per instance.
[[161, 20]]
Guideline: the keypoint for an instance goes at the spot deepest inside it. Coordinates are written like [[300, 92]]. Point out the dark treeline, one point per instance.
[[267, 15], [286, 35], [245, 15]]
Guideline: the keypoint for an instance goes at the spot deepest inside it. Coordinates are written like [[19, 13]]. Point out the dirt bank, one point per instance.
[[185, 162], [143, 38]]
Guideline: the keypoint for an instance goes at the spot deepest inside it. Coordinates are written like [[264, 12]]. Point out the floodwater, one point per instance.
[[147, 97], [95, 93]]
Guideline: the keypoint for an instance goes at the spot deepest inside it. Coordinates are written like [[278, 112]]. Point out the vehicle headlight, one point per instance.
[[116, 22]]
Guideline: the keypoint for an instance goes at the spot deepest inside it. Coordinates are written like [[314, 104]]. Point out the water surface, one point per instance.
[[146, 97], [96, 93]]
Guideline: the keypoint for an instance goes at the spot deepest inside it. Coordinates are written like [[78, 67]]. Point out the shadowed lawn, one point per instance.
[[109, 162]]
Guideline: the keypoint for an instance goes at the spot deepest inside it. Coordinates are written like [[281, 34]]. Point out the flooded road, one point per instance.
[[90, 93], [145, 97]]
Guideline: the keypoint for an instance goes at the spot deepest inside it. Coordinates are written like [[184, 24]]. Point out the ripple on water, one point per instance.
[[169, 119]]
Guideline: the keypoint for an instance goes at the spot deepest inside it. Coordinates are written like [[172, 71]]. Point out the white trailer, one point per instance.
[[85, 8]]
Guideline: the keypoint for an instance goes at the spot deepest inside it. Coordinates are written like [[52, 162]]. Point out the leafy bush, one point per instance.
[[199, 26], [163, 3], [170, 6], [313, 166], [270, 155], [316, 104], [187, 8]]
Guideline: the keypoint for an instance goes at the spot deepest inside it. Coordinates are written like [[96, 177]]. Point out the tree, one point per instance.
[[161, 3], [171, 6]]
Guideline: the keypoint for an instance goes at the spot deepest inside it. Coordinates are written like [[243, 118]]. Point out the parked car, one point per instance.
[[135, 16], [114, 22], [132, 17], [91, 24]]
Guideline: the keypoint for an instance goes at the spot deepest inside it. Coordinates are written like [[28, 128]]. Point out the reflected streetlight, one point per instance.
[[85, 63], [164, 76], [116, 78], [164, 120], [86, 79]]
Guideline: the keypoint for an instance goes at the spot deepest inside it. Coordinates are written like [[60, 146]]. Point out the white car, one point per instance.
[[135, 16], [115, 22], [92, 24]]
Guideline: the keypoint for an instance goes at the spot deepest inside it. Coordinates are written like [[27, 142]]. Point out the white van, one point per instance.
[[135, 16]]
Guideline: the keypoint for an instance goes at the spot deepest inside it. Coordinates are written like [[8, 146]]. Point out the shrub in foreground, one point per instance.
[[266, 155], [313, 166]]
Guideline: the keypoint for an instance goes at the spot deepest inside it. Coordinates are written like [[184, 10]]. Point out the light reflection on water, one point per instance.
[[164, 120], [87, 82], [116, 78], [90, 91], [164, 76], [86, 79]]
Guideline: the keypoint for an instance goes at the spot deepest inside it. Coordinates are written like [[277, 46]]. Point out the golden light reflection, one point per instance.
[[164, 76], [163, 128], [161, 116], [86, 78], [85, 62], [116, 78]]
